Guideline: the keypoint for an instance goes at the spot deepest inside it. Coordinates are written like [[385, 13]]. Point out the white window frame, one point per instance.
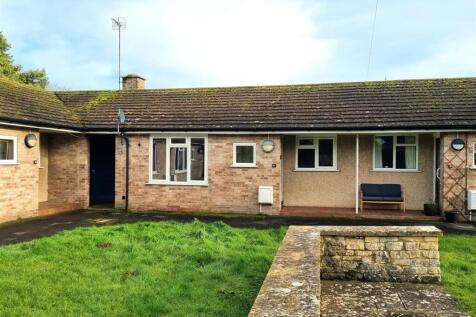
[[394, 169], [315, 146], [15, 149], [168, 146], [474, 153], [236, 164]]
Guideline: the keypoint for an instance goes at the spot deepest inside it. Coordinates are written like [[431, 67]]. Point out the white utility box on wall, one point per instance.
[[265, 195], [471, 199]]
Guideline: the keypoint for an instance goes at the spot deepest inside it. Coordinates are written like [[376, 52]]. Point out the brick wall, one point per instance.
[[68, 175], [19, 182], [229, 189]]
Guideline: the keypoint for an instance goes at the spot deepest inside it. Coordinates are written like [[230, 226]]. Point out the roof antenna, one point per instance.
[[119, 24], [372, 40]]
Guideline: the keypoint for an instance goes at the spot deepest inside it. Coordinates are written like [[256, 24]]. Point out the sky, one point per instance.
[[186, 43]]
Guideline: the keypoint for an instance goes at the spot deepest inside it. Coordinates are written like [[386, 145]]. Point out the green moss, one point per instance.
[[92, 104]]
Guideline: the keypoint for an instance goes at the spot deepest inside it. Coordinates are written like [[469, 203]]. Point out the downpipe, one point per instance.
[[126, 140]]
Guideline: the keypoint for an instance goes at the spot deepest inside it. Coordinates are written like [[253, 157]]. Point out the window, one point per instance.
[[474, 154], [316, 153], [179, 161], [8, 149], [395, 152], [244, 154]]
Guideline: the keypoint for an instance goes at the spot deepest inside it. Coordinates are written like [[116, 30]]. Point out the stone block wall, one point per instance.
[[292, 286], [398, 254], [308, 254], [230, 189]]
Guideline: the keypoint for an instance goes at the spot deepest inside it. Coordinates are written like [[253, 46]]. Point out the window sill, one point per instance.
[[176, 184], [472, 167], [395, 171], [316, 170], [244, 166], [9, 163]]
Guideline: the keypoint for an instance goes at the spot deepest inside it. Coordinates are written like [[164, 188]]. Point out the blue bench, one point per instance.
[[381, 194]]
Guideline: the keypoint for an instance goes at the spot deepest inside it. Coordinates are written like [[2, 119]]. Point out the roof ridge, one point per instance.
[[370, 82]]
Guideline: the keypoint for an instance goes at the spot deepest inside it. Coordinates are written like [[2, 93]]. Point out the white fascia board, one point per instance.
[[290, 132], [38, 127]]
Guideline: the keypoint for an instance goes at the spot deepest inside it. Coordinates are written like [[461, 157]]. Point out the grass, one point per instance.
[[458, 265], [167, 269], [141, 269]]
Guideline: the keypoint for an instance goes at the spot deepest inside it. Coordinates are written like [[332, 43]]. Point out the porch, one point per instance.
[[322, 174]]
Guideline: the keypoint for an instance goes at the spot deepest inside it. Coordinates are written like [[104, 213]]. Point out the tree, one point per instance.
[[8, 68]]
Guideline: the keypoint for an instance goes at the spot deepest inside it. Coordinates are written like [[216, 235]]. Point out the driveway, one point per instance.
[[25, 230]]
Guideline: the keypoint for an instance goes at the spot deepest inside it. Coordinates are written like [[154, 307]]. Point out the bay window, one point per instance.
[[395, 152], [316, 153], [178, 160]]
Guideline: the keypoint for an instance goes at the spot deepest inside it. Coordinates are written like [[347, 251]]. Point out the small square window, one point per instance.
[[7, 150], [244, 154]]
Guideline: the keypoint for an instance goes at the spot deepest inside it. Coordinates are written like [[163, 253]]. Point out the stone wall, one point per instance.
[[292, 286], [308, 254], [399, 254], [230, 189]]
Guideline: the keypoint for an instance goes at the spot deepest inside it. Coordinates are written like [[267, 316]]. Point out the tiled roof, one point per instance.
[[401, 104], [21, 103]]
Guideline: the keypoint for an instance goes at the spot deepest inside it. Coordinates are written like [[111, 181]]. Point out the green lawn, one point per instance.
[[142, 269], [458, 265], [166, 269]]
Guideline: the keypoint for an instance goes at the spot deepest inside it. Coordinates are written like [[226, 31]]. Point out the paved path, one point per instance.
[[25, 230], [356, 299]]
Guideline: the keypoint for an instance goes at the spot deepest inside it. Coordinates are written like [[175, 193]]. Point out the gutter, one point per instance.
[[45, 128], [285, 132], [230, 131]]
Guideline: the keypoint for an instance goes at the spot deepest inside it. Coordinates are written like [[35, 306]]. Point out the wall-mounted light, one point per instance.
[[457, 144], [30, 140], [267, 146]]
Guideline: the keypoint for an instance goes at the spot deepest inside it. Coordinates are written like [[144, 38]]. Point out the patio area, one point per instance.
[[388, 214]]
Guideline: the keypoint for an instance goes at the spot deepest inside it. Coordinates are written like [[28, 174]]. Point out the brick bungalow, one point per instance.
[[209, 149]]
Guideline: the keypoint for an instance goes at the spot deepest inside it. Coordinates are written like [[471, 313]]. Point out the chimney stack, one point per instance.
[[133, 82]]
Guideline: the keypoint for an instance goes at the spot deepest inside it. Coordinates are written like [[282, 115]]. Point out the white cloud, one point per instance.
[[184, 43], [247, 42]]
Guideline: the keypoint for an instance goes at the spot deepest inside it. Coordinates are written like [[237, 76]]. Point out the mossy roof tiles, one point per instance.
[[402, 104]]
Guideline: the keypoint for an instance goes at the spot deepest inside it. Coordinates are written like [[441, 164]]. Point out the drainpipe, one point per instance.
[[126, 140]]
